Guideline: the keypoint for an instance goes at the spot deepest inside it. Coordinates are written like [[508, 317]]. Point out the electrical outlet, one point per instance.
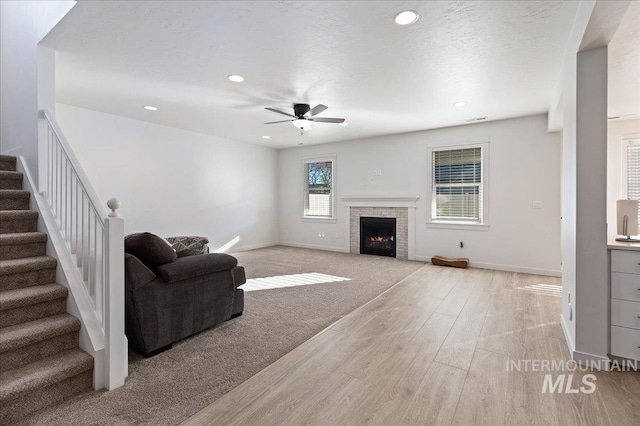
[[537, 205], [461, 244], [377, 172]]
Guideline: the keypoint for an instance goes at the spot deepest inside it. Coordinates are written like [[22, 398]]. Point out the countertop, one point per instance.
[[612, 244]]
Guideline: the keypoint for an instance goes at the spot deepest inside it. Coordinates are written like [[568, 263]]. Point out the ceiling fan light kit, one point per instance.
[[303, 115], [302, 124]]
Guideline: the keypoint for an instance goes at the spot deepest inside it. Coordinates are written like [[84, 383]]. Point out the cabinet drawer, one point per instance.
[[625, 342], [625, 286], [625, 261], [625, 313]]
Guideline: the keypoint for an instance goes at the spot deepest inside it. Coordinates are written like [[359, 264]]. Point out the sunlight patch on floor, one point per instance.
[[295, 280], [544, 289]]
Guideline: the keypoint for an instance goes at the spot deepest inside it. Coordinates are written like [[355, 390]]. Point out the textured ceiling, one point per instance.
[[502, 57], [624, 66]]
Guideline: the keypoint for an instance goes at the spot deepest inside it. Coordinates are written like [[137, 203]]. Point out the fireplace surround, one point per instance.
[[400, 207]]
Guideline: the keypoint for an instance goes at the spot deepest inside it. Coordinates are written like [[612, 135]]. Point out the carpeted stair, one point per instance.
[[40, 362]]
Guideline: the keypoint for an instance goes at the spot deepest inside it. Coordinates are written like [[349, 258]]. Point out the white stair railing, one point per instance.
[[93, 239]]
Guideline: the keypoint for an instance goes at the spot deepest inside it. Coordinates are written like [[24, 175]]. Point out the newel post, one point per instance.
[[115, 340]]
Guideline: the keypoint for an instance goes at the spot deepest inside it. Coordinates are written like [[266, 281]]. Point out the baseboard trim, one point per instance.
[[311, 246], [16, 152], [583, 358], [506, 268], [567, 335], [255, 246], [598, 362]]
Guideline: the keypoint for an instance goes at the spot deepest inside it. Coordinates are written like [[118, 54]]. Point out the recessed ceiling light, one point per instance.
[[460, 104], [150, 108], [236, 78], [406, 17], [344, 123], [266, 137]]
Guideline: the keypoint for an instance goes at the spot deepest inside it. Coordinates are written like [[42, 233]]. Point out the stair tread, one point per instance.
[[20, 335], [22, 238], [9, 174], [47, 371], [18, 214], [16, 266], [14, 193], [11, 299]]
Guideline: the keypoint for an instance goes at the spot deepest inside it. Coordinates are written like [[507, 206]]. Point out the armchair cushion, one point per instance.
[[150, 249], [195, 266]]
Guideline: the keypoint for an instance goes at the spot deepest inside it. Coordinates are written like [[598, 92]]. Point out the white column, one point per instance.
[[591, 294]]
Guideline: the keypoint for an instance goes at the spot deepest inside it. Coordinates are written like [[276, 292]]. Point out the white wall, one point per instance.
[[616, 185], [524, 167], [568, 227], [176, 182], [22, 25]]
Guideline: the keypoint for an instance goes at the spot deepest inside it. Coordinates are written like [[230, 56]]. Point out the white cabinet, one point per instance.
[[625, 303]]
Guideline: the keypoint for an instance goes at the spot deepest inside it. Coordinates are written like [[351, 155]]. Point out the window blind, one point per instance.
[[633, 172], [457, 185], [318, 181]]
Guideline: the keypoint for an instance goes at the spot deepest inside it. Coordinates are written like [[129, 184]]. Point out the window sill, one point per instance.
[[319, 219], [458, 225]]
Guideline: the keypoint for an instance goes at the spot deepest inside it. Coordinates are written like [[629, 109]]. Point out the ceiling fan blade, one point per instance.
[[316, 110], [274, 122], [281, 112], [327, 120]]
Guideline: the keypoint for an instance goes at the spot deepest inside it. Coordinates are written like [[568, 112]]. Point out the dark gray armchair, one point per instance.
[[174, 299]]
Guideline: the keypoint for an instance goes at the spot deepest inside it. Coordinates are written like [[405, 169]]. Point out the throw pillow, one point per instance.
[[189, 246], [150, 249]]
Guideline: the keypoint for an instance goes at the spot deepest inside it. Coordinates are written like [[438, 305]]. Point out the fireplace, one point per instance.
[[378, 236]]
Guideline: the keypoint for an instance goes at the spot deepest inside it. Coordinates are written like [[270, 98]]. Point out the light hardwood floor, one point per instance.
[[433, 349]]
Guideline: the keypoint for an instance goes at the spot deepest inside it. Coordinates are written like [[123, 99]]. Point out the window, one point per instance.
[[318, 189], [458, 184], [633, 172]]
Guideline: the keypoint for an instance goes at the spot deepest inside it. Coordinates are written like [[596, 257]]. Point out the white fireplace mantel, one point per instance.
[[408, 201]]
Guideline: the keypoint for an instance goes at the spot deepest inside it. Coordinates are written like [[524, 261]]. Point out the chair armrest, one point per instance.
[[239, 276], [136, 273], [195, 266]]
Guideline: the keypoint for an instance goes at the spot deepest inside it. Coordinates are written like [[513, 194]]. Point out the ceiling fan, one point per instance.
[[303, 115]]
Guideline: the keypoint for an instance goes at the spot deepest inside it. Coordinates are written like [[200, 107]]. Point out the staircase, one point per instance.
[[40, 362]]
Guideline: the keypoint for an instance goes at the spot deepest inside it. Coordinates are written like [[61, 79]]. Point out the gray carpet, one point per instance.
[[172, 386]]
